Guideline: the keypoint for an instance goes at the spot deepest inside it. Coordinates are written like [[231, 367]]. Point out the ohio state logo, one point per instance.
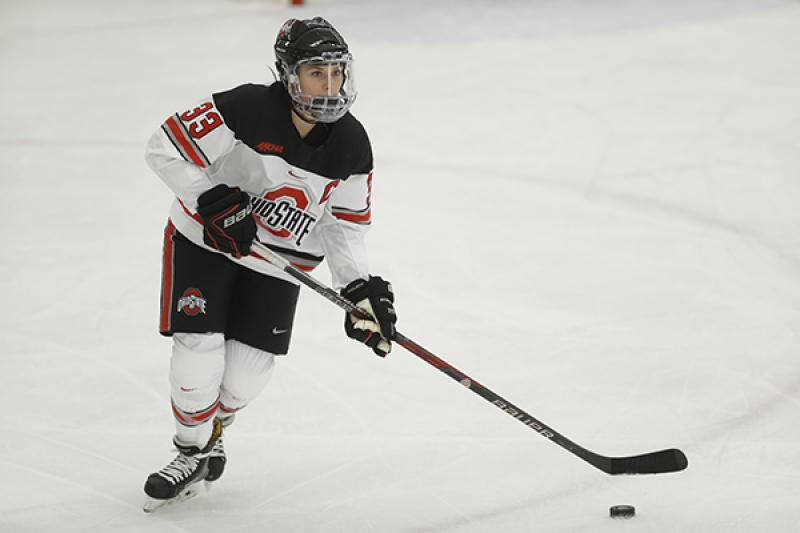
[[192, 302], [282, 212]]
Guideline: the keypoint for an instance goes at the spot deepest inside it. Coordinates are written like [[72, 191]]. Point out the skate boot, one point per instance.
[[216, 457], [177, 481], [216, 461]]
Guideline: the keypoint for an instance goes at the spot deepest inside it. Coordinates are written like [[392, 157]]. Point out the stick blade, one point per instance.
[[660, 462]]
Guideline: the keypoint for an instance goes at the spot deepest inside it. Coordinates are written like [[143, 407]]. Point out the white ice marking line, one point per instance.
[[458, 516], [640, 203], [365, 433], [788, 394], [484, 515], [90, 489], [419, 478], [97, 361], [61, 444], [335, 395], [311, 480]]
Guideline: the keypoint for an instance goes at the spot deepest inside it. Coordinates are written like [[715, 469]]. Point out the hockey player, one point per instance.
[[286, 164]]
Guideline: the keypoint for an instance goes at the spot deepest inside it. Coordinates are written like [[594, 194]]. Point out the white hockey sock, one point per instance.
[[196, 369], [247, 371]]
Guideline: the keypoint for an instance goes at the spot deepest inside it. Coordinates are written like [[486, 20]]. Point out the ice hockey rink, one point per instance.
[[590, 206]]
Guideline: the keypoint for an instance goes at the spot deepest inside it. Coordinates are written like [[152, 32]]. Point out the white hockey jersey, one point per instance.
[[310, 197]]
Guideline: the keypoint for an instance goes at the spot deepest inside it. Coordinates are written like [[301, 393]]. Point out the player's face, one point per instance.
[[321, 80]]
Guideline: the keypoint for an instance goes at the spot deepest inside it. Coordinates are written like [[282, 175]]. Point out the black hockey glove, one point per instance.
[[374, 296], [228, 223]]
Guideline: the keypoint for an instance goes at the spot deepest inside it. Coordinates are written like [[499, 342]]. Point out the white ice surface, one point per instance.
[[592, 207]]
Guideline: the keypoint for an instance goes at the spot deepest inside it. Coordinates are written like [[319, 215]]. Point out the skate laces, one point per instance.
[[180, 468], [218, 450]]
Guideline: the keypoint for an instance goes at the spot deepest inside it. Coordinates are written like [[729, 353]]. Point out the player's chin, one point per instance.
[[306, 117]]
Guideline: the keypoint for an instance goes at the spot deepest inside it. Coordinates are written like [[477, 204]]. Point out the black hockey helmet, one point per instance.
[[315, 42], [307, 39]]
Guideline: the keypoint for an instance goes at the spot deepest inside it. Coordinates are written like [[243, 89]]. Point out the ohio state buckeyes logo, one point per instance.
[[192, 302], [282, 212]]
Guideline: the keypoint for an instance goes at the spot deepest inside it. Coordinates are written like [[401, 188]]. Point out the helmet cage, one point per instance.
[[331, 107]]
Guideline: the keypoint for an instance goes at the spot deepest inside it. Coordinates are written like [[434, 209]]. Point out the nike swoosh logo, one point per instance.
[[276, 331], [188, 390], [292, 174]]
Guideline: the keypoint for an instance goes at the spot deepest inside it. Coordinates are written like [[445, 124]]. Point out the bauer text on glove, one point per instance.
[[228, 224]]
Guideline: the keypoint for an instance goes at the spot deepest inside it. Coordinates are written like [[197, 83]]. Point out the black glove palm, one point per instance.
[[228, 224], [376, 297]]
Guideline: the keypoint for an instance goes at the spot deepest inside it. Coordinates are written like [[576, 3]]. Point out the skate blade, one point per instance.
[[151, 504]]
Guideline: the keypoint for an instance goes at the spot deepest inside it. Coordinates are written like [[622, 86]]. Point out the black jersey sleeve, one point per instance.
[[352, 145], [241, 108]]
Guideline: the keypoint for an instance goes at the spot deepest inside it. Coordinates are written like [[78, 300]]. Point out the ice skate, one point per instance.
[[178, 481], [216, 462], [216, 457], [151, 504]]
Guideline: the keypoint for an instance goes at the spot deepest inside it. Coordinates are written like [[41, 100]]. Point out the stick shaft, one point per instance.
[[656, 462]]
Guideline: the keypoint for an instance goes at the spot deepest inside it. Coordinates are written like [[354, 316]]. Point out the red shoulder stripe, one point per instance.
[[178, 134]]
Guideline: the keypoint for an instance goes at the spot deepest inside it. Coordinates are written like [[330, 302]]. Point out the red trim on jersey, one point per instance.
[[177, 132], [328, 190], [166, 278], [195, 216], [359, 218], [352, 217]]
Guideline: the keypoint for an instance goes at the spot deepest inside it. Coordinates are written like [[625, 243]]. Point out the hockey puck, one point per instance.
[[622, 511]]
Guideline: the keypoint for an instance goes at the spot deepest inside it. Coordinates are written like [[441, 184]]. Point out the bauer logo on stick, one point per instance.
[[192, 302]]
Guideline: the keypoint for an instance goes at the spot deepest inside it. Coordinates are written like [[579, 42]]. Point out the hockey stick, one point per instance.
[[671, 460]]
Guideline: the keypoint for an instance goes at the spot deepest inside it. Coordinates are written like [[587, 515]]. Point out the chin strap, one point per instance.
[[299, 113]]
